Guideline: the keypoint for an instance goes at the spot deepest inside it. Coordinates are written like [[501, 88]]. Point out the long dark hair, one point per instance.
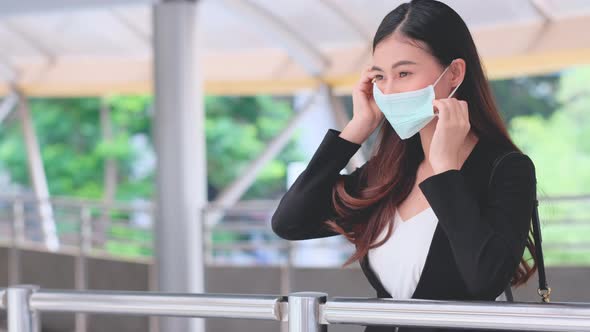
[[390, 174]]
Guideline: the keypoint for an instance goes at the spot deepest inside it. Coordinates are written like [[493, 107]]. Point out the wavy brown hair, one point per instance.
[[389, 176]]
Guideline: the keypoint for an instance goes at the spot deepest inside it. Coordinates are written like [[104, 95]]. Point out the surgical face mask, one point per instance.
[[408, 112]]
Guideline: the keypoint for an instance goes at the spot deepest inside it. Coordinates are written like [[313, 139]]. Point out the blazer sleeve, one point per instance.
[[487, 241], [307, 204]]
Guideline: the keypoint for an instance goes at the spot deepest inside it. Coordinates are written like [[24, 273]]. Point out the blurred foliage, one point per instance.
[[531, 95], [558, 141], [237, 130]]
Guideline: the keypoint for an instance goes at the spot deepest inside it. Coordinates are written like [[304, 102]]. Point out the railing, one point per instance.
[[243, 236], [123, 231], [93, 229], [119, 231], [304, 311], [90, 229]]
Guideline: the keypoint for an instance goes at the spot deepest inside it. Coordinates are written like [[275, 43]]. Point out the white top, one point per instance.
[[399, 262]]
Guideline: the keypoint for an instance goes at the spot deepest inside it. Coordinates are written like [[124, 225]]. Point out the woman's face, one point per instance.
[[400, 65]]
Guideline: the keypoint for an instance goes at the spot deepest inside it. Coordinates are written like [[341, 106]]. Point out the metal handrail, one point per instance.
[[304, 311], [556, 316], [159, 304], [97, 234]]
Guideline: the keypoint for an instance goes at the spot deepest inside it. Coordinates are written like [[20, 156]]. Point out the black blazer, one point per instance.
[[481, 233]]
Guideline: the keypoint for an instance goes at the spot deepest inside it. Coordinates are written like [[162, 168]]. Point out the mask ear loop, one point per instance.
[[455, 90], [438, 79], [441, 75], [452, 93]]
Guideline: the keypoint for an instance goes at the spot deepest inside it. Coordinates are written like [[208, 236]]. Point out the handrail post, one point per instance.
[[304, 312], [21, 318], [18, 238], [81, 268]]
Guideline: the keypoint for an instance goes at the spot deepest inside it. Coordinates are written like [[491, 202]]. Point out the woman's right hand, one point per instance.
[[366, 114]]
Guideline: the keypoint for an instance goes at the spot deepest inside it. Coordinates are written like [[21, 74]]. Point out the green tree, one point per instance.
[[237, 130], [559, 144], [533, 95], [74, 151], [68, 134]]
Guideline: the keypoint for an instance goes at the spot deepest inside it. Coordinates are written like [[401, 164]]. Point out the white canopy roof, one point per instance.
[[97, 47]]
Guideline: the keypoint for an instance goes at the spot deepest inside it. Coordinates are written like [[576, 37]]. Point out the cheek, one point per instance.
[[441, 90], [412, 83], [404, 84]]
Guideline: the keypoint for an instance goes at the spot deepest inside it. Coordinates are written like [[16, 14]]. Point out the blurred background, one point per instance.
[[142, 131]]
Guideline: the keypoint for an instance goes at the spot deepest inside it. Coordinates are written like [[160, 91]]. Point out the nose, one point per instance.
[[387, 87]]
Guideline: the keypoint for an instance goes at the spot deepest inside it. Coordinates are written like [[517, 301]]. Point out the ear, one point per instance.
[[458, 68]]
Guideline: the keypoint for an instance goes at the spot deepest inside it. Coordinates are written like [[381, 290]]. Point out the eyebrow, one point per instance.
[[397, 64]]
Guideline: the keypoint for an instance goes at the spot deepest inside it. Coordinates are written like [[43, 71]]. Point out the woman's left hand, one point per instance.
[[450, 133]]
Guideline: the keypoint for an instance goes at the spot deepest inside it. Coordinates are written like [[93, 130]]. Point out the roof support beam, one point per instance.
[[300, 49]]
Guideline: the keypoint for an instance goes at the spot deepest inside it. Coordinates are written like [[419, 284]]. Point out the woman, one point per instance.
[[425, 219]]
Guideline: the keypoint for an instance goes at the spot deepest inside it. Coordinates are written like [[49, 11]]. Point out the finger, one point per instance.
[[455, 110], [367, 78], [450, 112], [458, 112], [442, 111], [464, 110], [437, 104], [365, 82], [367, 74], [435, 107]]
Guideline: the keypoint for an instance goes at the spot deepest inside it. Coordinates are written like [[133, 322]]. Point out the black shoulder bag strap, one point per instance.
[[544, 290]]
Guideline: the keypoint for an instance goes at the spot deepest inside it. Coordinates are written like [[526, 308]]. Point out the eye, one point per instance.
[[378, 77], [404, 74]]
